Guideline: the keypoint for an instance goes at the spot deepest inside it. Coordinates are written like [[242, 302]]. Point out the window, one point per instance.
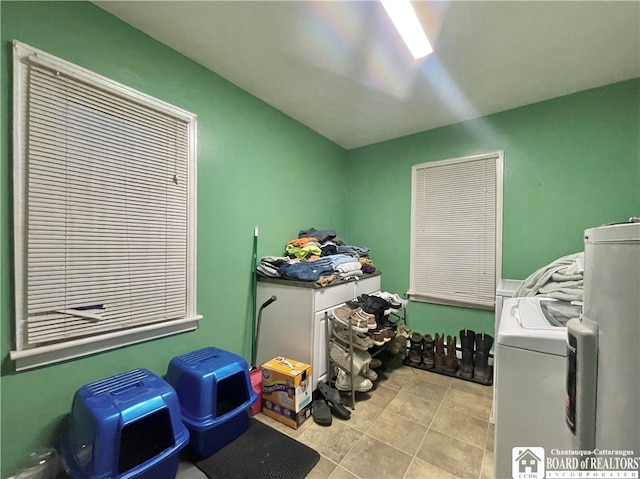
[[104, 213], [456, 231]]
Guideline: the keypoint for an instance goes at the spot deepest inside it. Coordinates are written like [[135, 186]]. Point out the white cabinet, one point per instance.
[[294, 325]]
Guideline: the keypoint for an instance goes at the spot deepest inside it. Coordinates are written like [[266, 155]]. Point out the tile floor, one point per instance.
[[414, 424]]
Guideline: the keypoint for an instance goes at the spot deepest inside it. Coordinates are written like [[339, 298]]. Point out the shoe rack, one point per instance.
[[373, 351], [331, 365], [460, 353]]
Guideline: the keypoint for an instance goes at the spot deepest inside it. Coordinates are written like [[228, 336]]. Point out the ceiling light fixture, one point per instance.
[[406, 22]]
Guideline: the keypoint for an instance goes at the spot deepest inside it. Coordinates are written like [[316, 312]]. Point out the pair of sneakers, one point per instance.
[[357, 318], [361, 359], [381, 336], [360, 383], [371, 318], [358, 340], [395, 301]]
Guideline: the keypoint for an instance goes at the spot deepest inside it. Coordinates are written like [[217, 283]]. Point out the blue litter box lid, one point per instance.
[[207, 377], [101, 412]]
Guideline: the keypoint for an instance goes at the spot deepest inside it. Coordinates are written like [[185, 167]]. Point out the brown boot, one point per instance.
[[428, 354], [439, 355], [415, 348], [451, 360]]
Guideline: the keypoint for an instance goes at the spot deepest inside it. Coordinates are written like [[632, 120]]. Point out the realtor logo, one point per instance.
[[528, 462]]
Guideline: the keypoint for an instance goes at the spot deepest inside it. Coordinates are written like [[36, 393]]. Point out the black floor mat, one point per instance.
[[260, 453]]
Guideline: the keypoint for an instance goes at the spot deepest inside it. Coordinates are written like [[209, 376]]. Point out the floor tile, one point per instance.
[[488, 466], [475, 388], [398, 432], [397, 378], [372, 459], [380, 396], [322, 470], [425, 390], [473, 404], [461, 426], [363, 416], [342, 473], [333, 442], [451, 455], [434, 378], [414, 408], [414, 424], [423, 470], [491, 432]]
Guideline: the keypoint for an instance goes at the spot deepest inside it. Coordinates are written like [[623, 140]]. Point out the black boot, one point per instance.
[[467, 341], [438, 359], [482, 371]]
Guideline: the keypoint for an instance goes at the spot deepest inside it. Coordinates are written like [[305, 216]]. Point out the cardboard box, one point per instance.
[[286, 391]]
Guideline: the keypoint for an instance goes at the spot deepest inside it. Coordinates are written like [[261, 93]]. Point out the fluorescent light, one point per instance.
[[406, 22]]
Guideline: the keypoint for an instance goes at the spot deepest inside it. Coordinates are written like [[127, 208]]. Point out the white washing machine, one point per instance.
[[506, 289], [531, 375]]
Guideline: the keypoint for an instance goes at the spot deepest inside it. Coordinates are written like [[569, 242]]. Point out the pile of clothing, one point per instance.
[[319, 256]]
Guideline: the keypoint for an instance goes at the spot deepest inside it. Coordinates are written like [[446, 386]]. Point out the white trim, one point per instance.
[[192, 216], [413, 296], [19, 178], [498, 155], [40, 356], [499, 208], [29, 357], [49, 61]]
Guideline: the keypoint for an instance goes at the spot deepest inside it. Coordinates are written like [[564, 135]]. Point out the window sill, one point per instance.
[[425, 298], [41, 356]]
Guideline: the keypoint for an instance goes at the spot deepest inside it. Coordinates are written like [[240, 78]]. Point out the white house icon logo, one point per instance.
[[528, 463]]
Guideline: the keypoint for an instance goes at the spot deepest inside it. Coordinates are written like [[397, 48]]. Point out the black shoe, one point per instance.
[[374, 305], [332, 396], [321, 412]]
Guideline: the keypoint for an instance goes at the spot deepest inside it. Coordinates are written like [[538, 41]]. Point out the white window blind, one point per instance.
[[104, 214], [456, 230]]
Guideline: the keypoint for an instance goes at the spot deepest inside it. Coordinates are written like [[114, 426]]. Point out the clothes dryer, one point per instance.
[[530, 386]]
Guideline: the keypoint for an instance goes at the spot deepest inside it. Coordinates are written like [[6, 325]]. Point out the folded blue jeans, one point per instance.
[[304, 271]]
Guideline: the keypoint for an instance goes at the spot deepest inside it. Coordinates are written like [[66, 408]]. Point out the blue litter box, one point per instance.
[[124, 427], [215, 393]]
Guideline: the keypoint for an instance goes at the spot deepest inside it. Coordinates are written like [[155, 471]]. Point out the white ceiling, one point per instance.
[[340, 68]]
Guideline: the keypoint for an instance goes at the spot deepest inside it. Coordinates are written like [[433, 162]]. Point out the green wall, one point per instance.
[[256, 166], [569, 164]]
